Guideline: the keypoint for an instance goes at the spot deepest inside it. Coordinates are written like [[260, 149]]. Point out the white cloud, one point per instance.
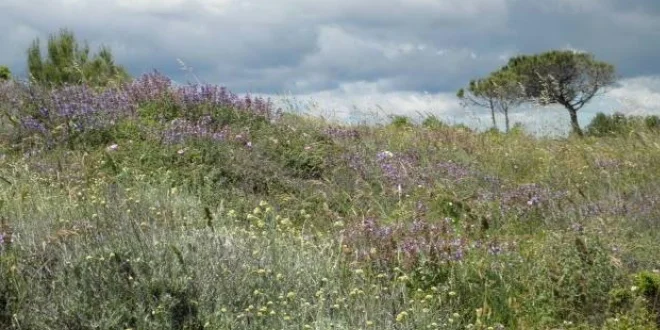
[[637, 96], [366, 102]]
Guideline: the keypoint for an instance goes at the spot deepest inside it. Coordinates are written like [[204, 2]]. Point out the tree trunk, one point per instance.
[[492, 113], [506, 120], [574, 122]]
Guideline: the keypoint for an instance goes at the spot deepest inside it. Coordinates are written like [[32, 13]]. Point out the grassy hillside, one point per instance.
[[152, 207]]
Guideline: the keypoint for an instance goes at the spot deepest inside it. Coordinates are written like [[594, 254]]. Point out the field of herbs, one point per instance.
[[152, 206]]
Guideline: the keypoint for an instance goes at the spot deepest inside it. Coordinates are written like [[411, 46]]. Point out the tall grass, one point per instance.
[[207, 212]]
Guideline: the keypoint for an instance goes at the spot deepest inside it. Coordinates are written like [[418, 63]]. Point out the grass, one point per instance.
[[302, 224]]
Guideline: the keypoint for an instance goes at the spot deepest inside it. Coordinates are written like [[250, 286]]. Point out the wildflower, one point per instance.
[[385, 154], [113, 147], [401, 316]]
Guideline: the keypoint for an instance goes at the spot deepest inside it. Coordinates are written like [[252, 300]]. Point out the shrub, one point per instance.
[[68, 62], [648, 285], [400, 122], [619, 124], [433, 122], [5, 73], [603, 125]]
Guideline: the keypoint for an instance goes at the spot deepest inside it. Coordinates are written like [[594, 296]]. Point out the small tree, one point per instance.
[[68, 62], [5, 73], [498, 92], [568, 78]]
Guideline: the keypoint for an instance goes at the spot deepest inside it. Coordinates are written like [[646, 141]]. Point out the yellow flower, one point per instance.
[[401, 316]]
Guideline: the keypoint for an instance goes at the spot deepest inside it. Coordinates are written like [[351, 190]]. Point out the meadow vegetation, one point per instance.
[[145, 205]]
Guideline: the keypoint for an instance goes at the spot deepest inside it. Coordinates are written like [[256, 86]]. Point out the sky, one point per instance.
[[356, 60]]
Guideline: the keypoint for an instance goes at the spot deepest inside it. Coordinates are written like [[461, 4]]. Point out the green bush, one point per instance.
[[400, 122], [433, 122], [603, 125], [5, 73], [620, 124]]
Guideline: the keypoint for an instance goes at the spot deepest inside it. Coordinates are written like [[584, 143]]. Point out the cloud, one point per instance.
[[637, 96], [262, 45], [360, 102]]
